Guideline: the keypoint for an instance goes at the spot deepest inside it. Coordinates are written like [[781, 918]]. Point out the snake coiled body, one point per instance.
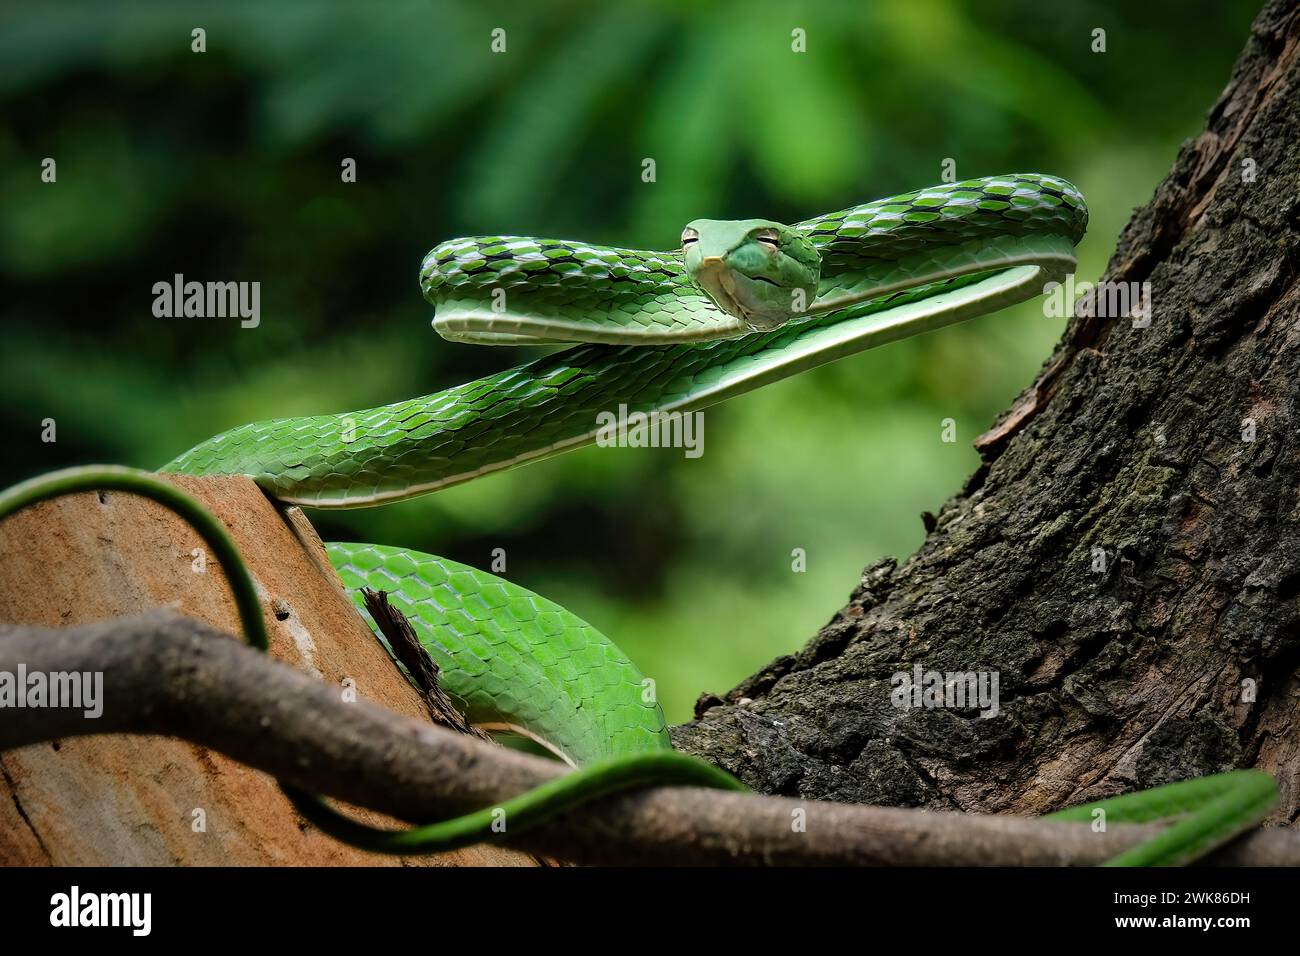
[[652, 332], [889, 269]]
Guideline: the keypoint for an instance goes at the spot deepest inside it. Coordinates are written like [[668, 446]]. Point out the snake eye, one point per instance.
[[689, 235]]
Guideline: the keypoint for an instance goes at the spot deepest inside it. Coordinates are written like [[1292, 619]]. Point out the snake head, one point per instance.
[[761, 272]]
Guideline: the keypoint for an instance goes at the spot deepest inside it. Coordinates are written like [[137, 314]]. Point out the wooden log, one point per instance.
[[158, 801]]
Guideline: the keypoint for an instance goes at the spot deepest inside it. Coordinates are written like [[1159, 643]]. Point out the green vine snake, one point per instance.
[[739, 305]]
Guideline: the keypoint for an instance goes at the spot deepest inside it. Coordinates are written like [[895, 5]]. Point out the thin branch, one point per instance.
[[170, 675]]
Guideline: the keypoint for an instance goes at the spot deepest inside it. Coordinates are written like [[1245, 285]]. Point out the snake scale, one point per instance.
[[738, 305]]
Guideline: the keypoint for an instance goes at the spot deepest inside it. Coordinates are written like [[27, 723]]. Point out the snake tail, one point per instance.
[[1207, 813], [561, 795]]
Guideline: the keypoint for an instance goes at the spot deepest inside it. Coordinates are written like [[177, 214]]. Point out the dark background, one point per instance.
[[225, 166]]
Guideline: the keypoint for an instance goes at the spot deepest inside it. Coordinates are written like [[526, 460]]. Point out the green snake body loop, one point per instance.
[[511, 289], [651, 337], [890, 269], [515, 660], [549, 406]]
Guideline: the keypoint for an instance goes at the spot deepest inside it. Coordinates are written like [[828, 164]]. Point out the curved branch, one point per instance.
[[171, 675]]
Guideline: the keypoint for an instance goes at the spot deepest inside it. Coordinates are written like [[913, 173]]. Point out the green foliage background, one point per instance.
[[226, 166]]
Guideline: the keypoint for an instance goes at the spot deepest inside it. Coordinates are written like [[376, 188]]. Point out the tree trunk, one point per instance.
[[1126, 559]]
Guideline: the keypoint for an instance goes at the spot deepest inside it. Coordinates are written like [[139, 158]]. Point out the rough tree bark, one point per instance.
[[1135, 441]]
